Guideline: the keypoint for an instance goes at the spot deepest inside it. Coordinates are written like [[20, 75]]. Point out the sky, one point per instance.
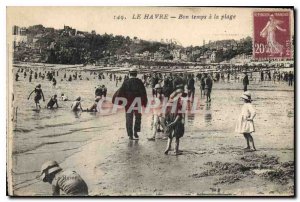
[[101, 19]]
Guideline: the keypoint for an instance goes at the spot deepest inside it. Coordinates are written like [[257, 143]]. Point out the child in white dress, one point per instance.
[[245, 124]]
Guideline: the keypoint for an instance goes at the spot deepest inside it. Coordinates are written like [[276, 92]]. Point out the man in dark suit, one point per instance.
[[134, 91], [290, 78], [154, 81], [191, 87], [245, 81], [168, 86], [208, 87]]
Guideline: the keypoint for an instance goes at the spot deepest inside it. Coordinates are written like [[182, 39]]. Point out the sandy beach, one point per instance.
[[213, 161]]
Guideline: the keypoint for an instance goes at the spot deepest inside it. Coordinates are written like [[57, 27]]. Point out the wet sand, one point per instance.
[[212, 163]]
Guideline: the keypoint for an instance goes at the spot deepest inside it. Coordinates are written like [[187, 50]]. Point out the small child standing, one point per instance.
[[245, 124]]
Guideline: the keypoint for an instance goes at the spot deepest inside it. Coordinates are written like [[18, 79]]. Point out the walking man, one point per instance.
[[191, 87], [291, 78], [261, 76], [208, 87], [154, 81], [245, 82], [168, 87], [134, 91], [202, 85]]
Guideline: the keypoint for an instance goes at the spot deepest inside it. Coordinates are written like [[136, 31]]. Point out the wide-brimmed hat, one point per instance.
[[133, 70], [246, 95], [179, 86], [176, 95], [49, 167]]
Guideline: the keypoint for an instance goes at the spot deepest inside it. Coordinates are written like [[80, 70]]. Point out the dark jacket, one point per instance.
[[154, 81], [191, 84], [291, 76], [178, 83], [98, 92], [134, 88], [168, 87], [208, 83], [246, 80]]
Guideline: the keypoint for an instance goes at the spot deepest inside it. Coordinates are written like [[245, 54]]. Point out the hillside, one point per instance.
[[71, 46]]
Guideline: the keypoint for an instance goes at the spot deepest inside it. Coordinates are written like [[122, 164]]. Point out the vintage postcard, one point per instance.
[[150, 101]]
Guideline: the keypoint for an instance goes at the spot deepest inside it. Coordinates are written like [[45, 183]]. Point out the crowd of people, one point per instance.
[[173, 87]]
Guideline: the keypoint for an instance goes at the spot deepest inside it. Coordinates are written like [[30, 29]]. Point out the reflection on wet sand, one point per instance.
[[133, 143], [191, 118], [77, 114], [208, 114]]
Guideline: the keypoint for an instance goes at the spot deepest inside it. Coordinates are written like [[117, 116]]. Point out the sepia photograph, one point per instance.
[[150, 101]]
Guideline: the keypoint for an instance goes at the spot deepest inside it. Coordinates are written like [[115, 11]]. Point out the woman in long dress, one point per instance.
[[269, 32]]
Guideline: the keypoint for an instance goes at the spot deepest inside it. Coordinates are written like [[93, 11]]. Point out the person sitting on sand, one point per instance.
[[174, 119], [64, 97], [76, 106], [66, 181], [93, 108], [38, 96], [245, 124], [52, 102]]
